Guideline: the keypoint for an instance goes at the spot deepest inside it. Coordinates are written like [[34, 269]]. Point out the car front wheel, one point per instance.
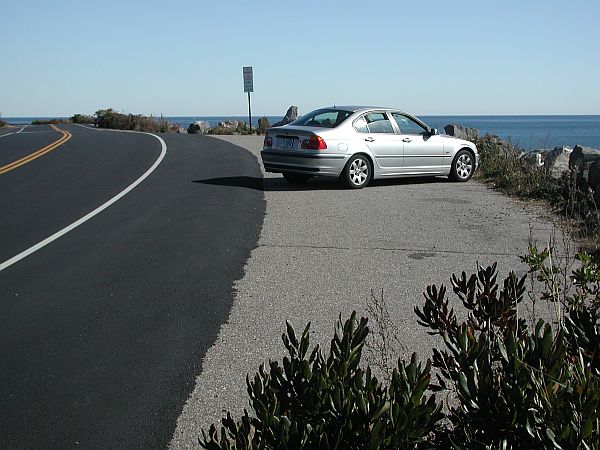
[[463, 166], [358, 172]]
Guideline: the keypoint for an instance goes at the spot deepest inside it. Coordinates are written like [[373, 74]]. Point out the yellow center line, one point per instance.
[[48, 148]]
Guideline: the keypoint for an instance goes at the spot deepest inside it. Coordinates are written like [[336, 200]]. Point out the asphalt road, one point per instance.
[[103, 330], [324, 249]]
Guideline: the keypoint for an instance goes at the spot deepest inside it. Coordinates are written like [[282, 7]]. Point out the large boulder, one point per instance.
[[531, 160], [200, 126], [582, 157], [585, 161], [491, 142], [290, 116], [232, 124], [556, 161], [470, 134]]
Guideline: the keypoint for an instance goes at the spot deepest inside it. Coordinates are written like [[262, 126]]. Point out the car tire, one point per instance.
[[358, 172], [296, 178], [463, 166]]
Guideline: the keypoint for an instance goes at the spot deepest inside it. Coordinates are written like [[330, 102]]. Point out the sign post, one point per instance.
[[249, 87]]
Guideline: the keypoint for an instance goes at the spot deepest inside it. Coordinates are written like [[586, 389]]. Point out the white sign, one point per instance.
[[248, 79]]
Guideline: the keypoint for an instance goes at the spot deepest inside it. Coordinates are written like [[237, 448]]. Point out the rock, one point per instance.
[[470, 134], [495, 143], [193, 128], [532, 160], [582, 157], [233, 124], [556, 161], [200, 126], [290, 116]]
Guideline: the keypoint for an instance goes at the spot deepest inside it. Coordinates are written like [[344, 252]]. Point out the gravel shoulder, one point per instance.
[[323, 249]]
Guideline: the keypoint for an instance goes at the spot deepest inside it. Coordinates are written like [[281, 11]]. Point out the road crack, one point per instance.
[[389, 249]]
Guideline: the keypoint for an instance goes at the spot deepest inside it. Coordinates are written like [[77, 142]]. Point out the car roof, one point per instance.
[[355, 108], [362, 108]]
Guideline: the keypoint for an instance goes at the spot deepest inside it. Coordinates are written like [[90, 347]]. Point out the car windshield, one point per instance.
[[324, 118]]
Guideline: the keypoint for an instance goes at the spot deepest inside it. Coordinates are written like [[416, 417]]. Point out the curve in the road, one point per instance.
[[41, 152], [91, 214]]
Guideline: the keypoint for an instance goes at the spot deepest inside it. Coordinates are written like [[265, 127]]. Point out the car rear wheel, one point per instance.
[[296, 178], [463, 166], [358, 172]]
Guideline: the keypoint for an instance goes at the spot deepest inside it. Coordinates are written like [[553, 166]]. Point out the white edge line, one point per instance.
[[14, 132], [88, 216], [96, 129]]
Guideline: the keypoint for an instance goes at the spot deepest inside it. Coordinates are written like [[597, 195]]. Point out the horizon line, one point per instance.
[[50, 116]]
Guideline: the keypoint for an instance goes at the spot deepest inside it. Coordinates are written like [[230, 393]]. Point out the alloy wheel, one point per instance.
[[464, 165], [359, 171]]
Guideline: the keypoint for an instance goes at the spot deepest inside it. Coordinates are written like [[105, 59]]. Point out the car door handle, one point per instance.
[[370, 139], [406, 140]]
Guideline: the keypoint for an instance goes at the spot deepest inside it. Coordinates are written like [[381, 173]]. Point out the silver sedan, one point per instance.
[[357, 144]]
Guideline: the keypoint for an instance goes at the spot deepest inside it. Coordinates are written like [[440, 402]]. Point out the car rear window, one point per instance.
[[324, 118]]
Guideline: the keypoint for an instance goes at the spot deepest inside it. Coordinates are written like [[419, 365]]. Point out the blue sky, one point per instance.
[[186, 57]]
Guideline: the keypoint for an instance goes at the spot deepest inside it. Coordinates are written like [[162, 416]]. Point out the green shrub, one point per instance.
[[502, 166], [509, 385], [263, 125], [315, 402], [518, 387], [83, 119], [49, 121], [108, 118], [242, 128]]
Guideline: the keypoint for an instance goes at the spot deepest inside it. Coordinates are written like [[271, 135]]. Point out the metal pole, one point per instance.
[[249, 112]]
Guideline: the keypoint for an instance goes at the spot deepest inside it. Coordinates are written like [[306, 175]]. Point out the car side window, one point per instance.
[[360, 125], [378, 123], [407, 125]]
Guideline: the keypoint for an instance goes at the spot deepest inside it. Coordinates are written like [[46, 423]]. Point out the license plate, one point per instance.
[[286, 143]]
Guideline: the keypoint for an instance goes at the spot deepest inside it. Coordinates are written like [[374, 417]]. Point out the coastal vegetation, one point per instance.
[[111, 119], [108, 118], [570, 196], [83, 119], [236, 127], [2, 122], [508, 382], [263, 125], [49, 121]]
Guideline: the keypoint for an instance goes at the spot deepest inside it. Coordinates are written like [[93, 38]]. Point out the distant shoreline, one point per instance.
[[531, 132]]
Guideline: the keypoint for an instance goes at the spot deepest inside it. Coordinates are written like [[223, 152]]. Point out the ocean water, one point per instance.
[[527, 132], [530, 132]]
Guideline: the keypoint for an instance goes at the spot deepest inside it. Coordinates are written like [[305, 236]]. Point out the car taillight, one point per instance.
[[314, 143], [268, 141]]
